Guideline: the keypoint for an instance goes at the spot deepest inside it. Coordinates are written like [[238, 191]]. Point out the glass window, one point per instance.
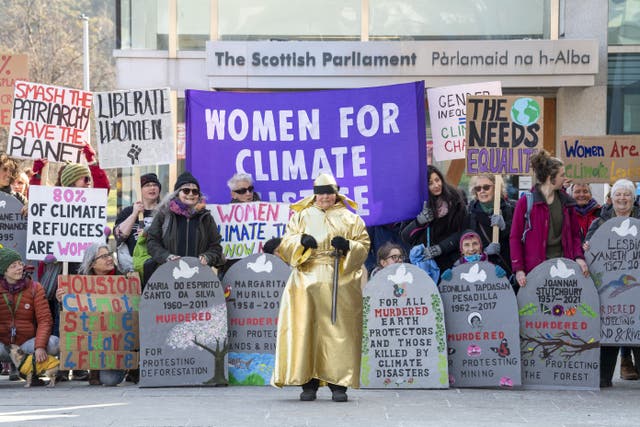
[[623, 94], [193, 24], [289, 20], [624, 22], [458, 19], [144, 24]]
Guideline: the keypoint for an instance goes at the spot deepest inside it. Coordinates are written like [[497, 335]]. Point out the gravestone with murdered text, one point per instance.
[[13, 226], [403, 341], [559, 328], [482, 327], [183, 327], [614, 263], [253, 288]]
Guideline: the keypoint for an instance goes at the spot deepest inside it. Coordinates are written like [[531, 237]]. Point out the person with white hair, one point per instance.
[[242, 189]]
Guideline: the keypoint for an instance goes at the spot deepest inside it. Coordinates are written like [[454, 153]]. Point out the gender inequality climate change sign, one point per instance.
[[502, 133], [601, 158], [49, 122], [448, 115], [372, 140]]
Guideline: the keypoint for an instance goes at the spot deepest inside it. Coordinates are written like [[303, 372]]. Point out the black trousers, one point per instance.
[[315, 383]]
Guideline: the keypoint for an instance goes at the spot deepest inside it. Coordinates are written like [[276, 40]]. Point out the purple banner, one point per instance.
[[372, 140]]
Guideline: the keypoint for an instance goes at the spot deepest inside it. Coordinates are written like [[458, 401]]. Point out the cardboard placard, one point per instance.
[[253, 288], [183, 327], [483, 336], [559, 328], [49, 122], [614, 263], [591, 159], [245, 227], [448, 116], [64, 221], [99, 322], [134, 127], [502, 133], [13, 68], [404, 338], [13, 226]]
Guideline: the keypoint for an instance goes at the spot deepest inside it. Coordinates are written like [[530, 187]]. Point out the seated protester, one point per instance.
[[242, 190], [379, 235], [388, 254], [25, 319], [98, 261], [471, 251], [8, 174], [128, 225]]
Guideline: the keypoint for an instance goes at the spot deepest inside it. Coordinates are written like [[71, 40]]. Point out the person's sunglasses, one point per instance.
[[485, 187], [244, 190], [187, 191]]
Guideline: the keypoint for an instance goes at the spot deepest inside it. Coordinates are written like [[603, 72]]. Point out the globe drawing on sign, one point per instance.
[[525, 111]]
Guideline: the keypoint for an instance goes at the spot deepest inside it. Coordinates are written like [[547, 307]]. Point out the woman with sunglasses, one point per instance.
[[482, 220], [389, 253], [184, 227], [242, 190]]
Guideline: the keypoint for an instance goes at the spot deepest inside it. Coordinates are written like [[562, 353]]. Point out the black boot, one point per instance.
[[338, 393], [310, 390]]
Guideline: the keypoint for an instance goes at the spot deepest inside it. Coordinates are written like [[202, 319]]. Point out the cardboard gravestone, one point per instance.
[[559, 328], [403, 340], [13, 226], [253, 288], [99, 322], [614, 262], [483, 333], [183, 327]]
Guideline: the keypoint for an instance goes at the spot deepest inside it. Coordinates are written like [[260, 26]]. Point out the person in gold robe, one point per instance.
[[310, 349]]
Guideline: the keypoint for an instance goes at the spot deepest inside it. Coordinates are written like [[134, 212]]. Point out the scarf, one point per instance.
[[15, 288], [179, 208], [584, 210]]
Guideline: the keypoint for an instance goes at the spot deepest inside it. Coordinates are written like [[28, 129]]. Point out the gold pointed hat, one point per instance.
[[325, 184]]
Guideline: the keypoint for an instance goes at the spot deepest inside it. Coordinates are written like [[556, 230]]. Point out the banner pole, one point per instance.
[[497, 197]]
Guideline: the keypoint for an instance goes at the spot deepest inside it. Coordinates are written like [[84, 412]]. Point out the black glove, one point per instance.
[[340, 243], [308, 241], [425, 216]]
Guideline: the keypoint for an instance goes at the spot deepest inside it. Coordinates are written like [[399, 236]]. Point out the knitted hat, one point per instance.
[[185, 178], [149, 177], [73, 172], [470, 235], [8, 257]]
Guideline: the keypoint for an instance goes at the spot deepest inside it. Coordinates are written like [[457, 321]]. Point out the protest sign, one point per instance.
[[614, 263], [371, 140], [13, 226], [245, 227], [134, 127], [403, 339], [63, 221], [448, 116], [483, 337], [253, 289], [13, 68], [99, 322], [502, 133], [606, 159], [183, 327], [559, 328], [49, 122]]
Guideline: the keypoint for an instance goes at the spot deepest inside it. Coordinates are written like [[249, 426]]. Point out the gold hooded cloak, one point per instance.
[[308, 345]]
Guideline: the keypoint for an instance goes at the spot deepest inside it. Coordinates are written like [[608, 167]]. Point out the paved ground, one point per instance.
[[77, 404]]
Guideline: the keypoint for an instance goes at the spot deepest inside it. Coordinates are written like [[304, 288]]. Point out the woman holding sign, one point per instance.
[[548, 227], [320, 320], [622, 198]]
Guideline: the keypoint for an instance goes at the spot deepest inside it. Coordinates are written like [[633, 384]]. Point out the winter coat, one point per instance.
[[585, 220], [32, 316], [526, 256], [480, 222], [202, 238], [605, 214]]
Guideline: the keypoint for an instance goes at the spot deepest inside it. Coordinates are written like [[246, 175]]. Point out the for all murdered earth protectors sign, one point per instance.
[[483, 336], [614, 263], [253, 288], [403, 339], [559, 328], [183, 327]]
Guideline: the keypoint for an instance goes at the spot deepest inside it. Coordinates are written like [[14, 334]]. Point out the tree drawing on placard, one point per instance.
[[564, 344], [204, 334]]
